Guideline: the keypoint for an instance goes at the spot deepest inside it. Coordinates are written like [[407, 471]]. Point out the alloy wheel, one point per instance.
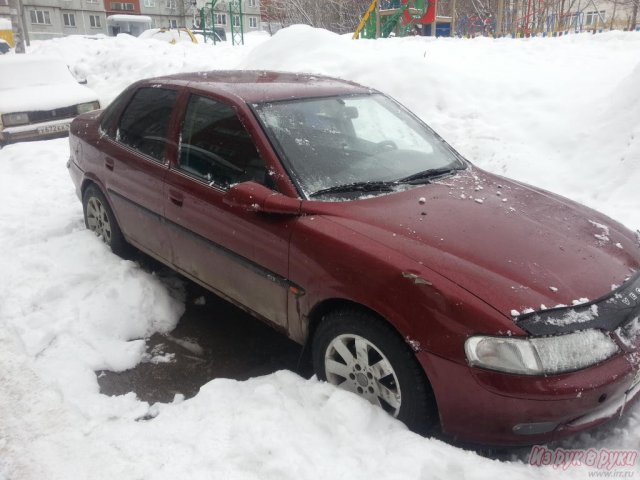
[[98, 220], [355, 364]]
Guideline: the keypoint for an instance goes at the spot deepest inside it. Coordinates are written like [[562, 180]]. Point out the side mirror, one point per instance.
[[253, 197]]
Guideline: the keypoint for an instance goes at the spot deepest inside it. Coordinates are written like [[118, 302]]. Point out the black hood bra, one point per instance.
[[610, 312]]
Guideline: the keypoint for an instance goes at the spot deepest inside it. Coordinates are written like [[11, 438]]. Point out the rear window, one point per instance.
[[144, 124]]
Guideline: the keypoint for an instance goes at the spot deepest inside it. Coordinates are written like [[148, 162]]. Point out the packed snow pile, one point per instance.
[[561, 113], [111, 64]]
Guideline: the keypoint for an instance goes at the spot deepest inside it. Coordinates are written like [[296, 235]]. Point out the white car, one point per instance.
[[39, 98]]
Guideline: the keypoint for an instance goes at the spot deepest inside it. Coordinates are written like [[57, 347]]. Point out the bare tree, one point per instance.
[[337, 15]]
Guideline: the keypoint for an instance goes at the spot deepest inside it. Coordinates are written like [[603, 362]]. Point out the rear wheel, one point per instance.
[[363, 354], [99, 218]]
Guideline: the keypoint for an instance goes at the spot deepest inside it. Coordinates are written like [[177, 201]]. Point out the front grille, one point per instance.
[[56, 114]]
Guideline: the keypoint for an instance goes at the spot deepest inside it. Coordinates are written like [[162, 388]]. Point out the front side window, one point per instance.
[[144, 124], [336, 142], [216, 148]]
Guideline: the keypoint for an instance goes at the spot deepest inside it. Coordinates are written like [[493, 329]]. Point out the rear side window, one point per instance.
[[144, 124], [215, 146]]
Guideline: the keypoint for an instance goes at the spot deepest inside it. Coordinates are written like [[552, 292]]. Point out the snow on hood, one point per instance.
[[44, 97], [514, 246], [34, 82]]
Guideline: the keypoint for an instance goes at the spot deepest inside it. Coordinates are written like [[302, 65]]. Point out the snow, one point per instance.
[[559, 113], [24, 88], [123, 17], [574, 351]]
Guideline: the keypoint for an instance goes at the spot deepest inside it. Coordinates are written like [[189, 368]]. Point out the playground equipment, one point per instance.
[[207, 16], [398, 17]]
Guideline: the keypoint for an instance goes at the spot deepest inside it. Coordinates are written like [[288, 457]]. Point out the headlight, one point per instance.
[[540, 356], [11, 119], [88, 107]]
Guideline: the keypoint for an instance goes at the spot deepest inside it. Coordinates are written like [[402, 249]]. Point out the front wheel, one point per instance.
[[99, 218], [361, 353]]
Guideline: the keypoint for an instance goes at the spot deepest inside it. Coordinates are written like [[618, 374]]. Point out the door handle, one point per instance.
[[176, 197], [109, 163]]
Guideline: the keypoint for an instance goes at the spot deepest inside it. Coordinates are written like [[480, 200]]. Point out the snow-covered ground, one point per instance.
[[560, 113]]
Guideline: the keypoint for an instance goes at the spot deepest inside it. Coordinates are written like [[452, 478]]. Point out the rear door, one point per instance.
[[135, 157], [242, 255]]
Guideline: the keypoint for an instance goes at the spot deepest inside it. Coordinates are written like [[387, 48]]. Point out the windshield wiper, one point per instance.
[[376, 186], [426, 175]]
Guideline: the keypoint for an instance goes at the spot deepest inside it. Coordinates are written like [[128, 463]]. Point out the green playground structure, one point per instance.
[[399, 17]]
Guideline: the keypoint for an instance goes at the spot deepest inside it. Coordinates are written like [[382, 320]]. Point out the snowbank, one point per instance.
[[561, 113], [110, 64]]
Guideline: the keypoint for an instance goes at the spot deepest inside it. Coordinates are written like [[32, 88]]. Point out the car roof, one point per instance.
[[256, 86]]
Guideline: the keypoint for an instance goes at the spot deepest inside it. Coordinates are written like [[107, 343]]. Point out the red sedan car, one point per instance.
[[438, 291]]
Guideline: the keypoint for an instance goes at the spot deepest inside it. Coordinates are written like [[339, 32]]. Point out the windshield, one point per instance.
[[334, 141], [26, 72]]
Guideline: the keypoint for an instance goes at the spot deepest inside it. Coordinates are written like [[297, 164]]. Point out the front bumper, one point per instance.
[[488, 407], [36, 131]]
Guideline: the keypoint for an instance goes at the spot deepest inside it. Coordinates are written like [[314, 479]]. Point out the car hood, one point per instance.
[[44, 97], [514, 246]]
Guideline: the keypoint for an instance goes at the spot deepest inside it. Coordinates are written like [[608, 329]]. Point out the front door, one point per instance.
[[242, 255]]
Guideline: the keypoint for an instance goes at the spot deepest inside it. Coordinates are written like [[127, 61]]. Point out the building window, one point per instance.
[[221, 18], [92, 1], [69, 19], [149, 3], [40, 17], [253, 3], [236, 20], [253, 22], [173, 23], [171, 4], [592, 17], [121, 6], [94, 21]]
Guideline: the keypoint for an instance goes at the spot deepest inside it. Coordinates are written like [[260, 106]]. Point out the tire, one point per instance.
[[386, 372], [99, 218]]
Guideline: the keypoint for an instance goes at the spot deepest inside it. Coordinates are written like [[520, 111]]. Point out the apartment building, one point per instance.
[[5, 12], [46, 19]]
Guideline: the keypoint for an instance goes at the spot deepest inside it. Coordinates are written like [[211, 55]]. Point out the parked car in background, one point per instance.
[[417, 280], [4, 47], [39, 97], [220, 34], [169, 35]]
